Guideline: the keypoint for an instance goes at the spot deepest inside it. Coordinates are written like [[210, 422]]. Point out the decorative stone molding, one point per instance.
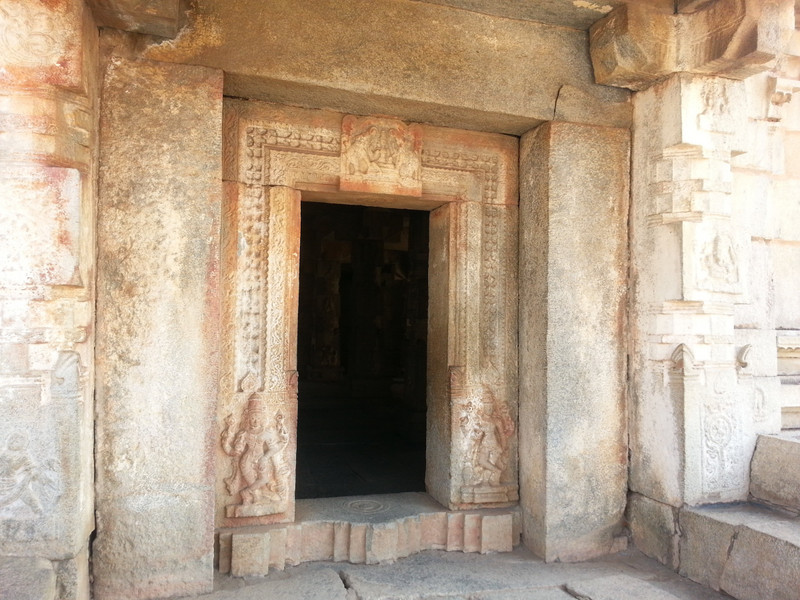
[[636, 45], [272, 155]]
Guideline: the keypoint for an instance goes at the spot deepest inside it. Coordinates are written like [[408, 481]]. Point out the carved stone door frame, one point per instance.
[[274, 157]]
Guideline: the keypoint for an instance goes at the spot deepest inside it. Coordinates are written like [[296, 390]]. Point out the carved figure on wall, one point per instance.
[[259, 472], [385, 151], [20, 477], [488, 427], [720, 261]]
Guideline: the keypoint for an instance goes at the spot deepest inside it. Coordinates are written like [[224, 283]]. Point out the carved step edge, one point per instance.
[[252, 551]]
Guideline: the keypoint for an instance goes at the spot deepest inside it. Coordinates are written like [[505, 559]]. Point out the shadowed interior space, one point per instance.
[[362, 340]]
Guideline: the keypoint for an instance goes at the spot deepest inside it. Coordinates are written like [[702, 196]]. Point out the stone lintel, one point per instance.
[[637, 45], [420, 62], [163, 18]]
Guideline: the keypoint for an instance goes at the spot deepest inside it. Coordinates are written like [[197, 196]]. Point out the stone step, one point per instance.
[[749, 551], [775, 470], [322, 535]]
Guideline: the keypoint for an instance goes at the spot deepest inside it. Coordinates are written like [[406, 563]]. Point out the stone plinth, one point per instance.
[[573, 228], [158, 243]]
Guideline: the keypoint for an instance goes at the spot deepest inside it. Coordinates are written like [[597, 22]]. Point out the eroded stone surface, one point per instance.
[[27, 579], [157, 342]]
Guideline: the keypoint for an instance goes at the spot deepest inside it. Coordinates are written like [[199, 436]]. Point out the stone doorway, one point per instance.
[[361, 350], [275, 157]]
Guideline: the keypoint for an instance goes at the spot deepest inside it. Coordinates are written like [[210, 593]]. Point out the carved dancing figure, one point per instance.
[[259, 471], [489, 435], [17, 473]]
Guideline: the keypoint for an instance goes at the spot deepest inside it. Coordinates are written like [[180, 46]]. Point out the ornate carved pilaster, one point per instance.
[[47, 169], [259, 395], [692, 264]]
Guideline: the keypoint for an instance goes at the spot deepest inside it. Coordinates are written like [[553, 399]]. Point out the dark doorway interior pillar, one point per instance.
[[362, 328]]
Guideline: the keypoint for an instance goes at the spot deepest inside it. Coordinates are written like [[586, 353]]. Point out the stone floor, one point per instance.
[[437, 575]]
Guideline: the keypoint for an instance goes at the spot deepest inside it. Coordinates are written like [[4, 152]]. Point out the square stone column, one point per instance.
[[573, 269], [48, 56], [157, 329]]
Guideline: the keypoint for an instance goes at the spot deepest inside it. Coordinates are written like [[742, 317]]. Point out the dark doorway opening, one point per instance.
[[361, 350]]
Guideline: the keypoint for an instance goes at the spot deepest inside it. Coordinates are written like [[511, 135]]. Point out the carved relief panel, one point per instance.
[[272, 155]]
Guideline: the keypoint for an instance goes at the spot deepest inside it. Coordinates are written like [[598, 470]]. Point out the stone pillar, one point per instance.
[[573, 269], [48, 55], [157, 329]]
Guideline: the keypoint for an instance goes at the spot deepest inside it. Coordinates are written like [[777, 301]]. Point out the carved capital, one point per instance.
[[636, 45]]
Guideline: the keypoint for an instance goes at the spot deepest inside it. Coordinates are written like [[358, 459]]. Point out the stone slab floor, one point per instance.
[[438, 575]]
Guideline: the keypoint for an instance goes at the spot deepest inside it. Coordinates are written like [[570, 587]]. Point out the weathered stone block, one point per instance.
[[163, 18], [496, 533], [764, 562], [40, 229], [572, 301], [774, 472], [433, 530], [382, 541], [654, 527], [250, 553], [157, 348], [72, 577], [611, 586], [317, 540], [27, 579], [704, 545]]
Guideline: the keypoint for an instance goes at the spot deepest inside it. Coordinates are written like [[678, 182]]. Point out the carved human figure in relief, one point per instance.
[[259, 472], [720, 260], [18, 473], [489, 429]]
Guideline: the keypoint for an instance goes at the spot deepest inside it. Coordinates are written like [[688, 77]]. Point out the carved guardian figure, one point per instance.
[[259, 473]]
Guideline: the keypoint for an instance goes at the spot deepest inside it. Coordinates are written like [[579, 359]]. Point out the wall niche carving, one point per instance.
[[273, 156]]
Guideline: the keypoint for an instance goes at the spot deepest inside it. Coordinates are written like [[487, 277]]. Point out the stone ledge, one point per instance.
[[774, 472], [748, 551]]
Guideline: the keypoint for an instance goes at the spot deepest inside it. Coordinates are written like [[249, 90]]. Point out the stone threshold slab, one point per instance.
[[365, 530]]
